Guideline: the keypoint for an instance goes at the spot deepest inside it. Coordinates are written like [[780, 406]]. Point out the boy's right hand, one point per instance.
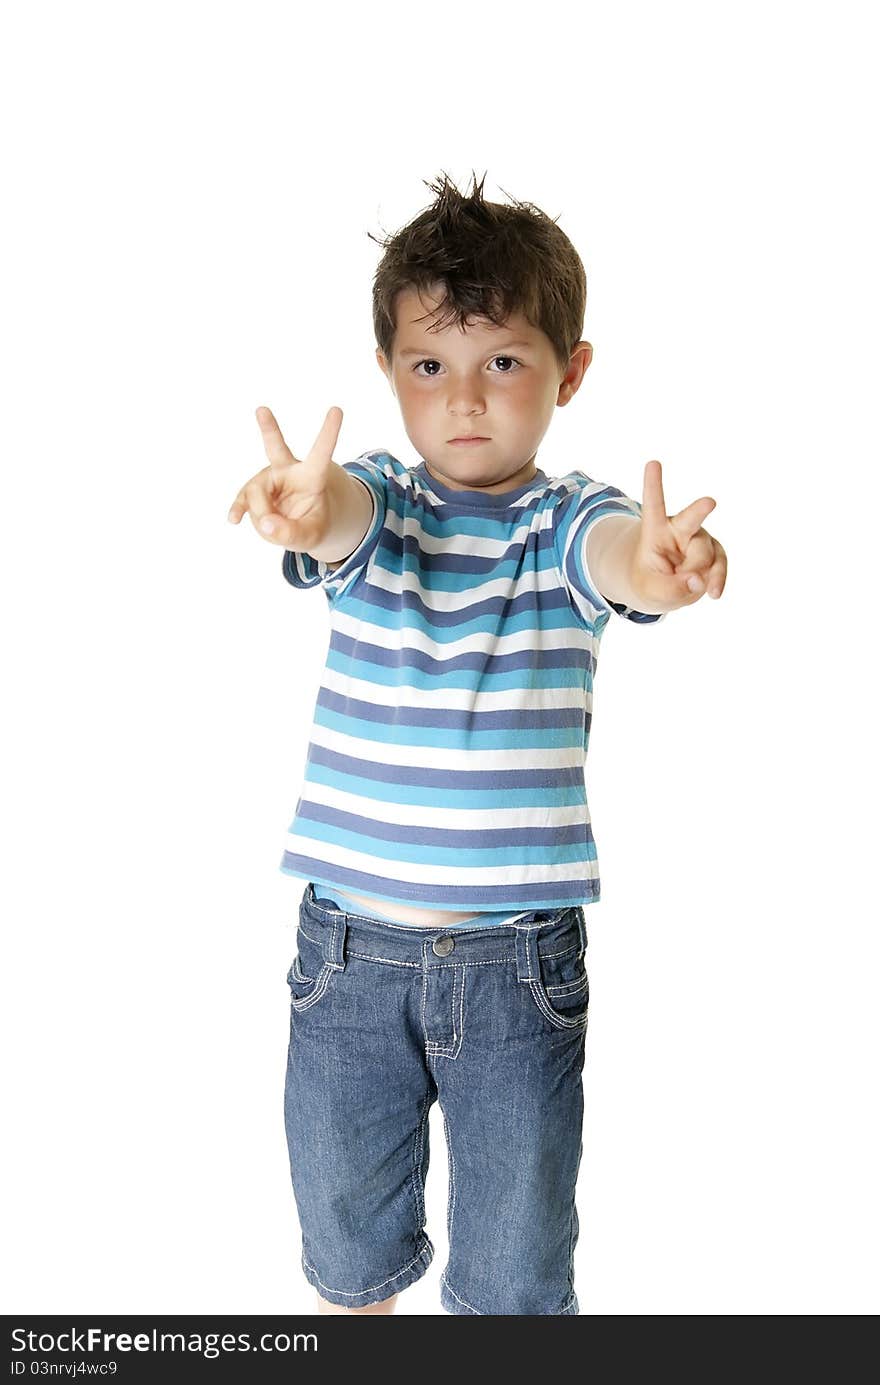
[[295, 497]]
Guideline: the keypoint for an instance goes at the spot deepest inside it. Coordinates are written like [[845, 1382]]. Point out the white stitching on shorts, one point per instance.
[[322, 983], [424, 1007], [560, 1021], [469, 1306], [571, 1251], [489, 962], [389, 961], [564, 953], [418, 1185], [461, 1010], [451, 1213], [373, 1287], [438, 966], [568, 988], [443, 1280], [451, 1047]]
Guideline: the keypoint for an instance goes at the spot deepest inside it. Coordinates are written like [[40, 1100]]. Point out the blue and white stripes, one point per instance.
[[446, 762]]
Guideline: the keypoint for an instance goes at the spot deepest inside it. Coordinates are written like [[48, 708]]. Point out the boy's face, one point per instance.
[[498, 383]]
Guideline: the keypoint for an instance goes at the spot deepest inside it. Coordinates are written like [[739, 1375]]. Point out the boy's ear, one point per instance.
[[577, 368], [584, 348], [384, 367]]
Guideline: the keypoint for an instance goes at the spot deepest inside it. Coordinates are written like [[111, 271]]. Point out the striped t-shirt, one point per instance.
[[446, 763]]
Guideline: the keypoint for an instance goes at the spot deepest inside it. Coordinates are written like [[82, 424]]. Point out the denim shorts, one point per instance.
[[386, 1019]]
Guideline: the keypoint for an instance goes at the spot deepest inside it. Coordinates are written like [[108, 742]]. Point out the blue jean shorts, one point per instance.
[[386, 1019]]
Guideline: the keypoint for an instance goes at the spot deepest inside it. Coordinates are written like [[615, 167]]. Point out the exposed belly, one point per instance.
[[407, 913]]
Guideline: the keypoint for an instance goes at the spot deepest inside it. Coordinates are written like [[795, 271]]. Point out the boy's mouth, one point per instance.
[[464, 441]]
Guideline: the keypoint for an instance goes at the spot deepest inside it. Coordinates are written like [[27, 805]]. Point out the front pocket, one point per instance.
[[562, 992], [309, 974], [296, 974]]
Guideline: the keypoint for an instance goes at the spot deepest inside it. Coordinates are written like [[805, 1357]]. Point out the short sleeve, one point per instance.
[[302, 570], [575, 515]]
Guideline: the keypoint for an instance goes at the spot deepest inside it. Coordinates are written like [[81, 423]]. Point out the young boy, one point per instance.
[[443, 829]]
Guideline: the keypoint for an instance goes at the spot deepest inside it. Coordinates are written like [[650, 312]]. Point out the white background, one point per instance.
[[190, 190]]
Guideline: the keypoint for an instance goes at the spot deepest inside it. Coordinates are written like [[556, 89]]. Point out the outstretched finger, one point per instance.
[[690, 519], [237, 508], [276, 448], [653, 502], [322, 448]]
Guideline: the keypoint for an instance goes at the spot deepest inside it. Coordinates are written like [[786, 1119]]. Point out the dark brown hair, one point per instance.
[[492, 260]]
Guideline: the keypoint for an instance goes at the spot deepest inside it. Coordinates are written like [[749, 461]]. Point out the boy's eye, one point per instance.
[[429, 361]]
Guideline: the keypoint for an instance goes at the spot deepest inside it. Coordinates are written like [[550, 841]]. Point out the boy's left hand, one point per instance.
[[673, 551]]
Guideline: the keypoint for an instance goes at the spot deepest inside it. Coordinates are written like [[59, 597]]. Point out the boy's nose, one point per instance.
[[462, 401]]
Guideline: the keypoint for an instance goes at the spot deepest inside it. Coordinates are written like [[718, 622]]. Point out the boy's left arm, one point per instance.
[[658, 562]]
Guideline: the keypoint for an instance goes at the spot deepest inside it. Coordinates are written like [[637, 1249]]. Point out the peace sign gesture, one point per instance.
[[675, 561], [290, 502]]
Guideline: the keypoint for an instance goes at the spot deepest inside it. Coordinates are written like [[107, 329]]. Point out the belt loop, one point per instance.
[[334, 948], [528, 967]]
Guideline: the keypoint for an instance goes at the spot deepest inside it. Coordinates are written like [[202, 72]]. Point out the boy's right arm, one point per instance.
[[351, 511], [313, 506]]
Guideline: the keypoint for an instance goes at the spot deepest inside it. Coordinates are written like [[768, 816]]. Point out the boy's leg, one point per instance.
[[357, 1099], [510, 1089]]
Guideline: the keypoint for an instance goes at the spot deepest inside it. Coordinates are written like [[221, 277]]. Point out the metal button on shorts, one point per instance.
[[443, 946]]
